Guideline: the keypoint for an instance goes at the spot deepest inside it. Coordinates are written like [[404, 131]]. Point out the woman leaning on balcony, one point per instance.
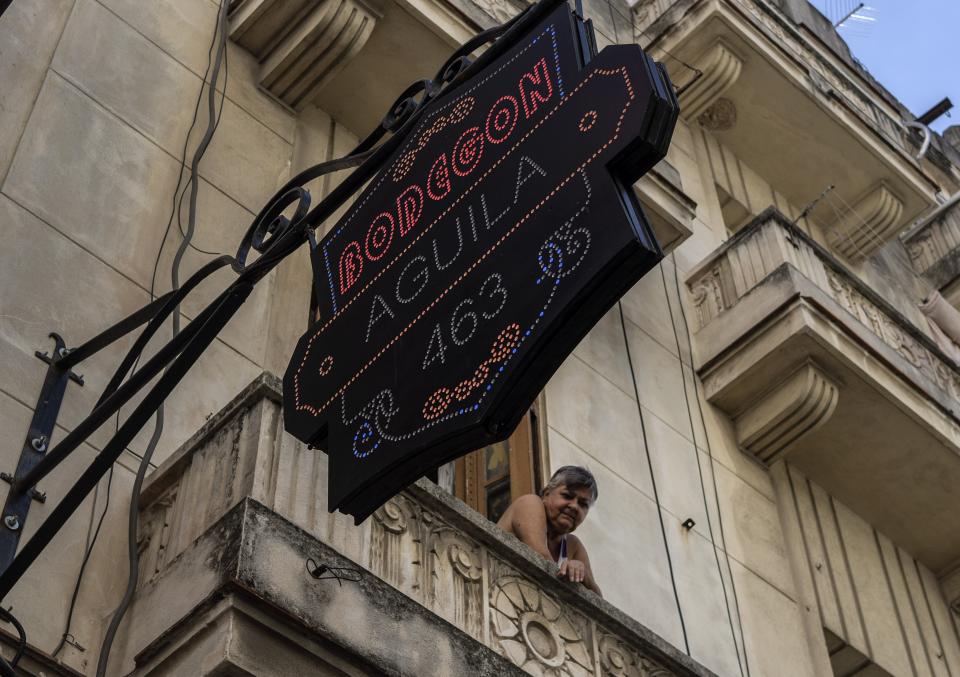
[[546, 522]]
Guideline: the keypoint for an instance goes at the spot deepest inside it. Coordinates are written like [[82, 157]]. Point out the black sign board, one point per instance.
[[496, 236]]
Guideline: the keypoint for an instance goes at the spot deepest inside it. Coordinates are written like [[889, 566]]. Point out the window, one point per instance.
[[489, 479]]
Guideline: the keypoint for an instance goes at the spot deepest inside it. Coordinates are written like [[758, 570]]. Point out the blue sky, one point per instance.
[[912, 47]]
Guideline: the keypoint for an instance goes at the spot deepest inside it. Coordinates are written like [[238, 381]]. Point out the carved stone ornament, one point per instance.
[[795, 406], [535, 633], [873, 221], [501, 10], [301, 44], [707, 294], [920, 250], [903, 343], [720, 68], [720, 116], [464, 558], [391, 517], [619, 660]]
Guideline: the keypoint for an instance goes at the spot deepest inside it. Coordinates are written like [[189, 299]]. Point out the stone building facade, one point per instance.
[[773, 422]]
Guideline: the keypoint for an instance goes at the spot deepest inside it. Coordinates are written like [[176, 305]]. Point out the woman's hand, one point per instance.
[[573, 570]]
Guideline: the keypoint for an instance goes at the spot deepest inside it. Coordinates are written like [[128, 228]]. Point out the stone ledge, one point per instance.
[[424, 543], [530, 563], [934, 247], [671, 211], [252, 562], [733, 270]]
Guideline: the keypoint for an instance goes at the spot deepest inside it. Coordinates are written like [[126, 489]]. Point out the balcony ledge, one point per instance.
[[934, 247], [670, 210], [794, 116], [239, 507], [812, 366]]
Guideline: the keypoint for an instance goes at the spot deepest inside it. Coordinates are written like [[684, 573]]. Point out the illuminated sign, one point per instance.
[[498, 233]]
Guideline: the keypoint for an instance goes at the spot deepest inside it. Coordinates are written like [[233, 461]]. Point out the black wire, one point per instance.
[[341, 574], [713, 474], [83, 565], [212, 123], [175, 207], [153, 282], [226, 74], [5, 667], [653, 479]]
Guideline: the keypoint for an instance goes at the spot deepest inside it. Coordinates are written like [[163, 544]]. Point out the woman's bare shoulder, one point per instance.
[[528, 501], [523, 508]]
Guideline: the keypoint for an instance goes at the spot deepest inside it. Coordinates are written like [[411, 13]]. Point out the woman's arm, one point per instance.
[[579, 552], [528, 522]]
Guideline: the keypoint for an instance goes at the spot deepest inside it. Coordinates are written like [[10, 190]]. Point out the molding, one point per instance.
[[872, 222], [720, 116], [671, 211], [761, 247], [950, 584], [797, 405], [720, 69], [301, 44], [934, 247]]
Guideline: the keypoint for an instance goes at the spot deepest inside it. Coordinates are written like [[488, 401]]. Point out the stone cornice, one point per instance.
[[301, 44]]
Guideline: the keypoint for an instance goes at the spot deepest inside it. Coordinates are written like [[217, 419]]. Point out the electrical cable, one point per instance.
[[713, 474], [175, 205], [212, 123], [83, 566], [7, 668], [226, 74], [653, 480], [153, 279]]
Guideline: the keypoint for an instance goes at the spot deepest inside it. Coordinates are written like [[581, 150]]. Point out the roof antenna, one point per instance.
[[849, 15]]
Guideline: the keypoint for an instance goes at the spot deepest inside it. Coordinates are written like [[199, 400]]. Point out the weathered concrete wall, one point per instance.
[[239, 601]]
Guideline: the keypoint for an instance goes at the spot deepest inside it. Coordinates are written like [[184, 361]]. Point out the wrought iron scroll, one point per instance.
[[283, 225]]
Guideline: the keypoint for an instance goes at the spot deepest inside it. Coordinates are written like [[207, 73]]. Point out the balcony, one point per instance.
[[812, 366], [934, 246], [228, 522], [776, 97], [352, 58]]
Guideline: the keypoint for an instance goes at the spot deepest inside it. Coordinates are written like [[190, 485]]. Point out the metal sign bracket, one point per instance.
[[17, 505]]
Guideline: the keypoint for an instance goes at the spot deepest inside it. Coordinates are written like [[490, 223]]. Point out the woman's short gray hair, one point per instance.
[[575, 477]]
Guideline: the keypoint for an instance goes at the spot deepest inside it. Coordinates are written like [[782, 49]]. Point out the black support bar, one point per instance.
[[17, 504]]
